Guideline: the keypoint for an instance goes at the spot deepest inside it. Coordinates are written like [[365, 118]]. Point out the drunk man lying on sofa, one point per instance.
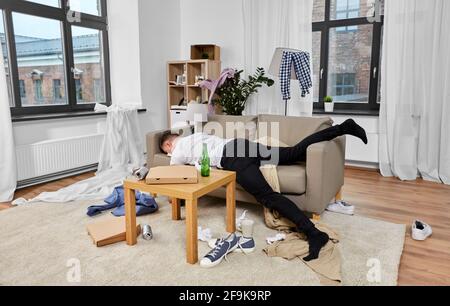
[[245, 158]]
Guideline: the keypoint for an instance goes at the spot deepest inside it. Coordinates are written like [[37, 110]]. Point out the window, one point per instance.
[[4, 55], [89, 68], [56, 57], [79, 90], [348, 42], [38, 96], [346, 9], [343, 85], [57, 91], [99, 92], [23, 91]]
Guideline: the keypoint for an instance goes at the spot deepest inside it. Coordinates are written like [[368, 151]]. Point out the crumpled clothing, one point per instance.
[[145, 204], [328, 265]]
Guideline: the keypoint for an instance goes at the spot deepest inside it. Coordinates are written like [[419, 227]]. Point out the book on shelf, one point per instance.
[[179, 107]]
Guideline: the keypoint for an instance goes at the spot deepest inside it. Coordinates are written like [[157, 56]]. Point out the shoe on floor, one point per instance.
[[421, 231], [220, 251], [245, 245], [342, 207]]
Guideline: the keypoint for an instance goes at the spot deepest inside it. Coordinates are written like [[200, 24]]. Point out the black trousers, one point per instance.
[[245, 158]]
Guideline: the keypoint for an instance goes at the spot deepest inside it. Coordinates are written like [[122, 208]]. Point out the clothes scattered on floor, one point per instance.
[[295, 245], [204, 235], [277, 238], [302, 66], [145, 204]]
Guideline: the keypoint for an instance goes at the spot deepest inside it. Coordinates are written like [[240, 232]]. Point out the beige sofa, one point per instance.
[[311, 186]]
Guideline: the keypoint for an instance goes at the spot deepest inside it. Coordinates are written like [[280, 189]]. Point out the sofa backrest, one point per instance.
[[230, 127], [292, 130]]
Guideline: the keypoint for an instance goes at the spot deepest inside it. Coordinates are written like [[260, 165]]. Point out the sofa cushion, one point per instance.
[[161, 160], [290, 130], [230, 127], [292, 179]]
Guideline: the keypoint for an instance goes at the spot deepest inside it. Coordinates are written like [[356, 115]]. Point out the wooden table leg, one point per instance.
[[339, 196], [176, 209], [130, 216], [191, 232], [231, 207]]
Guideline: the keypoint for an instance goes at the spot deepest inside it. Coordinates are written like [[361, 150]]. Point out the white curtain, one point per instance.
[[122, 150], [8, 168], [268, 25], [415, 112]]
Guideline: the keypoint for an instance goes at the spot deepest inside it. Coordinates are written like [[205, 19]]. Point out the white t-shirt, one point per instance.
[[188, 150]]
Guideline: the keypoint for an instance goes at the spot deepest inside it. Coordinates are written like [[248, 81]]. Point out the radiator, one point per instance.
[[56, 156]]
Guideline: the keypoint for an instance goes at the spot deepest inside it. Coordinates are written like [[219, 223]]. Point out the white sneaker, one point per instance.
[[342, 208], [421, 231]]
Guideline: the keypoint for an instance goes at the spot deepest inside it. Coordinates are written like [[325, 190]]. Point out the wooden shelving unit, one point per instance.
[[189, 90]]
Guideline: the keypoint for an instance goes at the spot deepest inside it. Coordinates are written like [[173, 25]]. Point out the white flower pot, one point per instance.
[[329, 107]]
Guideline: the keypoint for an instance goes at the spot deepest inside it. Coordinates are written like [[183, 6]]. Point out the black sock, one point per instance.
[[317, 240], [350, 127]]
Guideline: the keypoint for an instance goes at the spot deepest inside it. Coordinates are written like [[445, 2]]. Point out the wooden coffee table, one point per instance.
[[189, 192]]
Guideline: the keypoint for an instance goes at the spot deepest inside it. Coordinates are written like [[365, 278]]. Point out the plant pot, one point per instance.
[[329, 107]]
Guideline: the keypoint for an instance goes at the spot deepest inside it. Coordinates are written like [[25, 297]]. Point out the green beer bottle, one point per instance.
[[205, 162]]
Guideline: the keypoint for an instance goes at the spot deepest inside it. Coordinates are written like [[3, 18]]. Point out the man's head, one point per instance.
[[167, 142]]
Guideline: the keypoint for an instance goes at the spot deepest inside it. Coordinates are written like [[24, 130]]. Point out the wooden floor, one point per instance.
[[423, 263]]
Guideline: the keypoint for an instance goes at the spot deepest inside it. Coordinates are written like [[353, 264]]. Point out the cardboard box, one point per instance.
[[109, 231], [172, 175]]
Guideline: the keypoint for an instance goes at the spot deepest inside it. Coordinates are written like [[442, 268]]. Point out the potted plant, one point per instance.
[[329, 104], [235, 92]]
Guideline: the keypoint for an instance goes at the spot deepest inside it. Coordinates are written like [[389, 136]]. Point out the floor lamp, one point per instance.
[[275, 66]]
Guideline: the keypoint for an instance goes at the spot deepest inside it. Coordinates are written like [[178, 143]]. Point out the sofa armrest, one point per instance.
[[153, 139], [324, 174]]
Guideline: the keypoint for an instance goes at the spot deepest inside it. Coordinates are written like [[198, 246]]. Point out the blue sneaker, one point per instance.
[[245, 245], [220, 251]]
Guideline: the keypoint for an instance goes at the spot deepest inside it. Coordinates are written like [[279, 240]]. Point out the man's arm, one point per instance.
[[177, 160]]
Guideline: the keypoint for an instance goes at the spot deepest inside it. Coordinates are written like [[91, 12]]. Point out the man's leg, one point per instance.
[[298, 153], [252, 180]]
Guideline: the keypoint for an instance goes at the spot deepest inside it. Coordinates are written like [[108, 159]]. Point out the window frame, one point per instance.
[[60, 14], [324, 28]]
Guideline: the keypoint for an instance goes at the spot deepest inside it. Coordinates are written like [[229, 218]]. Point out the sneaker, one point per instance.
[[342, 207], [245, 245], [220, 251], [421, 231]]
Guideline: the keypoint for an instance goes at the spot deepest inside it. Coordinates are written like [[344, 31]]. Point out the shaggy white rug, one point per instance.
[[47, 244]]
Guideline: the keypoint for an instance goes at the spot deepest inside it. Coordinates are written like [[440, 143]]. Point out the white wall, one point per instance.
[[159, 43], [217, 22], [124, 51], [359, 154]]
